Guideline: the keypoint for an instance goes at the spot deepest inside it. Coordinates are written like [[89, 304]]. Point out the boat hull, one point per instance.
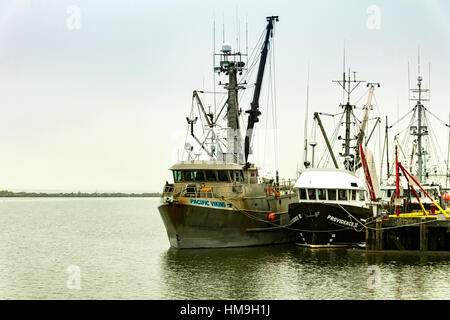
[[328, 225], [205, 227]]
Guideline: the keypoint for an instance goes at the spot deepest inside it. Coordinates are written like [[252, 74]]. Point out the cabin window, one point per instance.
[[321, 194], [198, 175], [302, 194], [354, 195], [238, 176], [223, 175], [177, 177], [188, 176], [210, 175], [342, 195], [389, 193], [331, 194], [312, 194], [361, 195]]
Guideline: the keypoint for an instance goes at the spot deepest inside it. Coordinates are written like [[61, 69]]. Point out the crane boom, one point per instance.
[[365, 120], [362, 131], [330, 150], [254, 112]]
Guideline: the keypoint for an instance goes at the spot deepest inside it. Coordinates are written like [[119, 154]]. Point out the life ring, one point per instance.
[[277, 193]]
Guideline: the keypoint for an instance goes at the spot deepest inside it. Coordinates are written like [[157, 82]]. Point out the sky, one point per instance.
[[94, 94]]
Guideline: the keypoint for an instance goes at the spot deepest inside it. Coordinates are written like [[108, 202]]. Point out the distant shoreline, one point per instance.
[[5, 194]]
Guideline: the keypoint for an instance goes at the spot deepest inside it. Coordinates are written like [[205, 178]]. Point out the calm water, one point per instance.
[[120, 248]]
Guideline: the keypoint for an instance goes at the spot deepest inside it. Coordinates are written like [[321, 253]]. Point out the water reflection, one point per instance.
[[235, 273], [289, 272]]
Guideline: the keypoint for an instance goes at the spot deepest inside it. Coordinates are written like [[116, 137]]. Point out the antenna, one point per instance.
[[246, 37], [429, 80], [305, 163], [214, 60], [238, 45], [223, 28], [344, 58], [343, 73], [418, 59], [409, 83]]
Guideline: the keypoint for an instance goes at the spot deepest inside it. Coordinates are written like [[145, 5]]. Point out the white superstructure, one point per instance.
[[331, 185]]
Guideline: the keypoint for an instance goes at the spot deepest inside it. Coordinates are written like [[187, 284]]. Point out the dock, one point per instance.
[[422, 233]]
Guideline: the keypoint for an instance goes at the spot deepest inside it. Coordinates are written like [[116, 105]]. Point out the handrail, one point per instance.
[[224, 191]]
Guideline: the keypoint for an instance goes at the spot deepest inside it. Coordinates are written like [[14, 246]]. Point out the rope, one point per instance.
[[350, 215], [386, 228], [274, 103], [365, 226], [326, 154], [440, 120], [399, 120], [280, 226], [396, 227], [440, 154]]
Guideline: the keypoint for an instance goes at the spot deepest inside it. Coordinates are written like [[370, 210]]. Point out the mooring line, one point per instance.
[[386, 228]]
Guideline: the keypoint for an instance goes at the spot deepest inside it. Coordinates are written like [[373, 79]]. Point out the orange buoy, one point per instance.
[[271, 216]]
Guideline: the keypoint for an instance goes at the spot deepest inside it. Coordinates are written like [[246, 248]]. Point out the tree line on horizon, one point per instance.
[[7, 193]]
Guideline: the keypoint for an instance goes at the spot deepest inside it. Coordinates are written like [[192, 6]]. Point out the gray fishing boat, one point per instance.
[[223, 201]]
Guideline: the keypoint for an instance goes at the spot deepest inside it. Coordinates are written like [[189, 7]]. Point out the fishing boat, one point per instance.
[[223, 201], [418, 147], [334, 203], [332, 208]]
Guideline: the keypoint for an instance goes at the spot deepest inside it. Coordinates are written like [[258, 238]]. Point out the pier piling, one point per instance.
[[412, 233]]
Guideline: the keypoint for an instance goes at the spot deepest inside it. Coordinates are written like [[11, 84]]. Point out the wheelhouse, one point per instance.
[[388, 193], [212, 172], [330, 185]]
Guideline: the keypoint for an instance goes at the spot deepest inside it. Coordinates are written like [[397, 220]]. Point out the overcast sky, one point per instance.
[[94, 93]]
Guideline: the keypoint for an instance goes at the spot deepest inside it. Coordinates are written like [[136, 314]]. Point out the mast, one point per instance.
[[232, 65], [254, 112], [387, 149], [346, 85], [419, 132], [233, 136], [421, 129]]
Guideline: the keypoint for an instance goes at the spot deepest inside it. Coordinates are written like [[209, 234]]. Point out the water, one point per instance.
[[120, 248]]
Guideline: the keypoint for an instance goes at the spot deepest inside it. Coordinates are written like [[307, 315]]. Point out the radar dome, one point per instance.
[[226, 47]]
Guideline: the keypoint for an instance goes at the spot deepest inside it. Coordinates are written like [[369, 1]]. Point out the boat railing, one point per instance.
[[196, 191], [286, 185], [192, 190]]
